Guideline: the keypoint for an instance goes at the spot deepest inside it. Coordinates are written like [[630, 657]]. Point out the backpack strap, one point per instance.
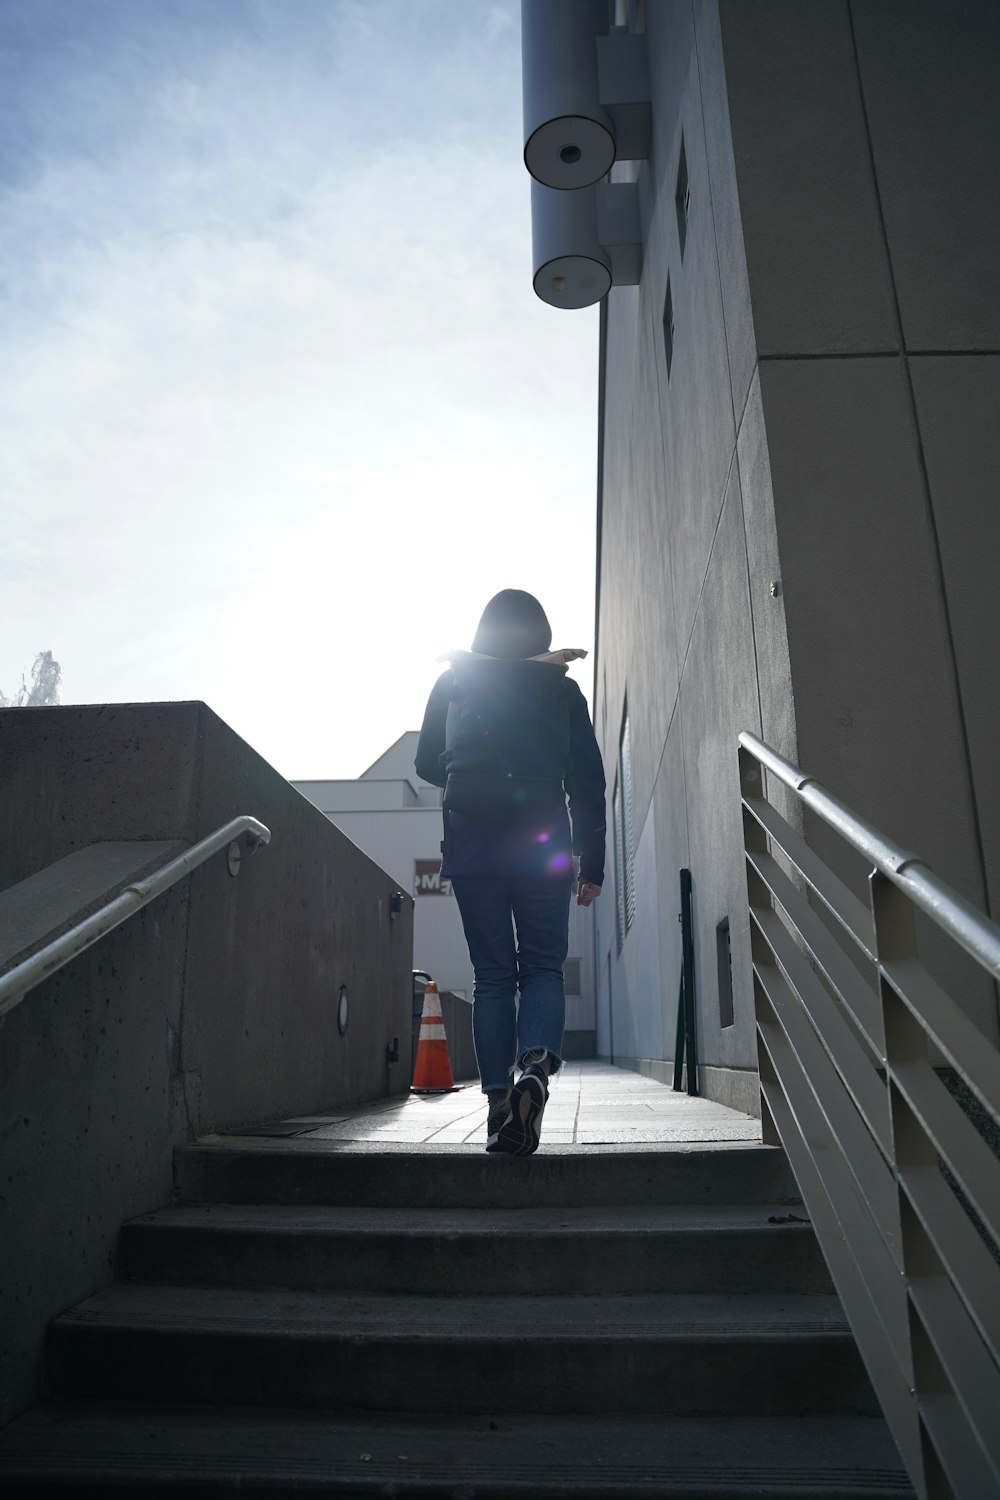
[[455, 702]]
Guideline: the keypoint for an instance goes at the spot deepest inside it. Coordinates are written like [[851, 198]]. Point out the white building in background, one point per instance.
[[395, 817]]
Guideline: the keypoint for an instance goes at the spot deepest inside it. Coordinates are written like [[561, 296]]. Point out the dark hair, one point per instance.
[[513, 624]]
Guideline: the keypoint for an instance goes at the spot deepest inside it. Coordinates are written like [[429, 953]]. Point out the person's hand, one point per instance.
[[587, 893]]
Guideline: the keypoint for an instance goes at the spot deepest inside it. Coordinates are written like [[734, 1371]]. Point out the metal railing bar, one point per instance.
[[17, 981], [956, 916], [923, 1255], [847, 982], [841, 1123], [852, 1060], [970, 1370], [881, 1357], [954, 1138], [960, 1041], [856, 1239], [972, 1269], [854, 917], [965, 1466]]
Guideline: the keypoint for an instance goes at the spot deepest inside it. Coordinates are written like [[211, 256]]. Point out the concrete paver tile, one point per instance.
[[590, 1104]]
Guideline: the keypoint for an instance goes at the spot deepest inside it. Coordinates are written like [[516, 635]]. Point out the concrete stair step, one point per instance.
[[676, 1355], [303, 1171], [530, 1251], [96, 1450]]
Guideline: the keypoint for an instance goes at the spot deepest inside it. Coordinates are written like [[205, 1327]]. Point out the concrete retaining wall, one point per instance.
[[214, 1007]]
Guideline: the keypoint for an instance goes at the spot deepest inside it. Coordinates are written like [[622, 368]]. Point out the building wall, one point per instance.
[[798, 516], [358, 796], [215, 1006], [676, 641]]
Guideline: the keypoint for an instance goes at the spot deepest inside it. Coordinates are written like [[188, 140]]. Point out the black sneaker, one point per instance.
[[529, 1096], [499, 1115]]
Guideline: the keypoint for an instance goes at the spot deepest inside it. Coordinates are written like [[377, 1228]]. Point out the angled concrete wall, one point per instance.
[[863, 136], [799, 524], [214, 1007], [685, 570]]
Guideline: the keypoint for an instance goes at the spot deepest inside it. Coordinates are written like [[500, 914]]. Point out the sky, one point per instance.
[[279, 409]]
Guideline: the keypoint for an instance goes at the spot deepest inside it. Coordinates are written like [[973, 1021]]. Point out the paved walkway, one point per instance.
[[590, 1104]]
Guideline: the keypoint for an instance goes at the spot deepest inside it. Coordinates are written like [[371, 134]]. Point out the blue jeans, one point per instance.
[[492, 907]]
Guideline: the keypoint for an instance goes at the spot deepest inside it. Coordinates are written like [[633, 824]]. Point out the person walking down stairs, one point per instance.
[[508, 736]]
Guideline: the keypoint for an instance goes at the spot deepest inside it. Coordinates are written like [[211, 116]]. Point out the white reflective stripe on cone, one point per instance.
[[430, 1031]]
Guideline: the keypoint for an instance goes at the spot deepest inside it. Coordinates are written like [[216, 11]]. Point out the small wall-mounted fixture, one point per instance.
[[571, 268], [395, 905], [343, 1009], [584, 243], [568, 137], [586, 105]]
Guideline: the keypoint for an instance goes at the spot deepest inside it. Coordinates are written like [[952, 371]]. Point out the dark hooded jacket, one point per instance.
[[510, 739]]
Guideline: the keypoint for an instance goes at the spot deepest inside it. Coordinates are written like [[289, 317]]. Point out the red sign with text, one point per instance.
[[427, 879]]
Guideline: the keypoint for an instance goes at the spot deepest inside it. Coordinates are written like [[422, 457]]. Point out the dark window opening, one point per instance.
[[682, 198], [724, 953], [616, 829]]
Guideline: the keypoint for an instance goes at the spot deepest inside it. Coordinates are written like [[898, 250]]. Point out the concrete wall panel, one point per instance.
[[818, 271], [876, 701], [774, 680], [958, 403], [672, 855], [92, 1102], [718, 699], [645, 937], [734, 283], [929, 72], [638, 614], [696, 409]]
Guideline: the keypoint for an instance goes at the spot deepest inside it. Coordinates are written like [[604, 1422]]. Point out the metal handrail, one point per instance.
[[24, 976], [901, 1186], [959, 918]]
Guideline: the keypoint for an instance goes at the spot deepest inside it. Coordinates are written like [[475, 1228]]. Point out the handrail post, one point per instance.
[[905, 1041], [755, 842], [902, 1189]]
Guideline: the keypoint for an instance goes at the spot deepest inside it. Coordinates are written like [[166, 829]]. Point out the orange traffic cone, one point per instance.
[[432, 1072]]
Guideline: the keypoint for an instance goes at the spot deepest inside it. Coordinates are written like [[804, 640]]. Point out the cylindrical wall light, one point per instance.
[[569, 139], [571, 269]]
